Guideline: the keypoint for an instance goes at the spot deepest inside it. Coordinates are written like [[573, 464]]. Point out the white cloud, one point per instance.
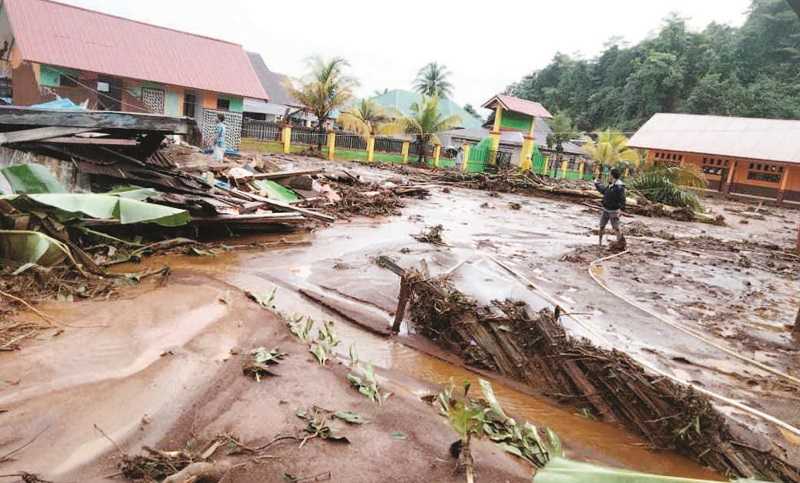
[[387, 42]]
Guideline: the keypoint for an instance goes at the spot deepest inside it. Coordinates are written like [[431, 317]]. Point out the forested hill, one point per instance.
[[749, 71]]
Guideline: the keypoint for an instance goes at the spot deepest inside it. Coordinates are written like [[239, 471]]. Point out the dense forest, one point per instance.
[[752, 71]]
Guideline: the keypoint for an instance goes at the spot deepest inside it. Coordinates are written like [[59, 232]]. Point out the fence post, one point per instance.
[[287, 139], [581, 168], [564, 165], [465, 157], [437, 151], [331, 145], [371, 148], [404, 151], [546, 166]]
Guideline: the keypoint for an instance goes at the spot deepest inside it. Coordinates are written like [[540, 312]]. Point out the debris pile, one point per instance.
[[535, 349]]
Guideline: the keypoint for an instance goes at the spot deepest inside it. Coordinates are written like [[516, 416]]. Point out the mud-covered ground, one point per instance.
[[156, 367]]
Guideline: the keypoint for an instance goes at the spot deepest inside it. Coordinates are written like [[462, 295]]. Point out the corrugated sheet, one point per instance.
[[65, 36], [740, 137], [272, 82], [522, 106]]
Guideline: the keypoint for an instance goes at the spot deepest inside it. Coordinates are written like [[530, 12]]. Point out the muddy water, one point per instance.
[[291, 268]]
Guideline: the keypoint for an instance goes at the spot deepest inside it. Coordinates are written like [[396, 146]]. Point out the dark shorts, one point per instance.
[[612, 216]]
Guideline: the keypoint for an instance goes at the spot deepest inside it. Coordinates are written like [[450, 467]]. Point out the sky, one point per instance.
[[386, 43]]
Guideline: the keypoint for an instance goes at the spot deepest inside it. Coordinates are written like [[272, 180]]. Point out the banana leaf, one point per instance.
[[562, 470], [31, 178], [23, 246], [133, 192], [100, 206]]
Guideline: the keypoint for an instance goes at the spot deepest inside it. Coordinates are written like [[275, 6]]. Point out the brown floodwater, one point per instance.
[[289, 268]]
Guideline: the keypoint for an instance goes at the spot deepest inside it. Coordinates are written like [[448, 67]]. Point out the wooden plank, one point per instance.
[[22, 116], [38, 134], [286, 174], [102, 141], [279, 204]]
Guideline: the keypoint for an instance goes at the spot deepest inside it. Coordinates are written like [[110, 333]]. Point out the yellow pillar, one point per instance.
[[371, 149], [404, 151], [525, 155], [465, 155], [495, 133], [331, 145], [547, 165], [564, 165], [287, 139], [581, 168], [437, 151]]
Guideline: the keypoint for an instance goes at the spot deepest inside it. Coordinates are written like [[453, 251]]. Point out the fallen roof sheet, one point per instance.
[[62, 35], [740, 137]]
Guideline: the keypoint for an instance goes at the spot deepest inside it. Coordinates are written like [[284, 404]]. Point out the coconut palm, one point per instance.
[[611, 148], [424, 123], [432, 81], [671, 184], [366, 118], [324, 89], [562, 131]]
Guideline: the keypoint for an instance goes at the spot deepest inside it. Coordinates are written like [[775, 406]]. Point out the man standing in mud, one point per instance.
[[613, 203]]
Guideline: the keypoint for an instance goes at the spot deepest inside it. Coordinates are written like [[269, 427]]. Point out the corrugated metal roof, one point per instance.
[[740, 137], [272, 82], [522, 106], [61, 35]]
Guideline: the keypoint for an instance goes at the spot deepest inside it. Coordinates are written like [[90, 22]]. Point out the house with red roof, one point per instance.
[[50, 50]]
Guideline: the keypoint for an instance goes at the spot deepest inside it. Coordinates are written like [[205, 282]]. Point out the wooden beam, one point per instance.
[[38, 134], [103, 141], [278, 204], [22, 116]]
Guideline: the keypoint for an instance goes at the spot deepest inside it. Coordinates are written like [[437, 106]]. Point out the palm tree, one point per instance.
[[366, 118], [671, 185], [324, 89], [432, 81], [611, 148], [424, 123], [562, 131]]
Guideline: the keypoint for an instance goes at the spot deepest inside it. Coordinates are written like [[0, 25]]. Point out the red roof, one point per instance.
[[62, 35], [515, 104]]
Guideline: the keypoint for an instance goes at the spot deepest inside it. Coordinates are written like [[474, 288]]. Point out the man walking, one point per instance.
[[219, 138], [613, 202]]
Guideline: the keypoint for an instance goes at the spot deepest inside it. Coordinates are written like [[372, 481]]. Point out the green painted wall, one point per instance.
[[513, 120], [236, 103], [49, 77], [172, 103]]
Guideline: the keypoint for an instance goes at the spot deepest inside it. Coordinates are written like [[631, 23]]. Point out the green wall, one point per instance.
[[51, 76], [513, 120], [236, 103], [172, 104]]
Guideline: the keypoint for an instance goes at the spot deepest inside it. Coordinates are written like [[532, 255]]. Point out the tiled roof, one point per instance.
[[515, 104], [62, 35]]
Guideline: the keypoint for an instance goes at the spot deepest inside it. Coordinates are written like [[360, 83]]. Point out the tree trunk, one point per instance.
[[321, 129], [466, 459], [420, 151], [796, 328]]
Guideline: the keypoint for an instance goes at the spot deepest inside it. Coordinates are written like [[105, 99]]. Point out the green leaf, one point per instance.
[[31, 178], [350, 417], [275, 190], [100, 206], [562, 470], [24, 247], [319, 353], [488, 394]]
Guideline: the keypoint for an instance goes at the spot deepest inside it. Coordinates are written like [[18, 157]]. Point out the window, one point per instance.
[[714, 166], [66, 81], [223, 104], [189, 103], [765, 172]]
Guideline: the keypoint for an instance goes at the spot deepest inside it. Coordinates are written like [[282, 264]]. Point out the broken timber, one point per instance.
[[27, 117], [536, 350]]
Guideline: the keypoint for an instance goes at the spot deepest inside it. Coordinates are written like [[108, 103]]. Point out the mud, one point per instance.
[[114, 375]]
